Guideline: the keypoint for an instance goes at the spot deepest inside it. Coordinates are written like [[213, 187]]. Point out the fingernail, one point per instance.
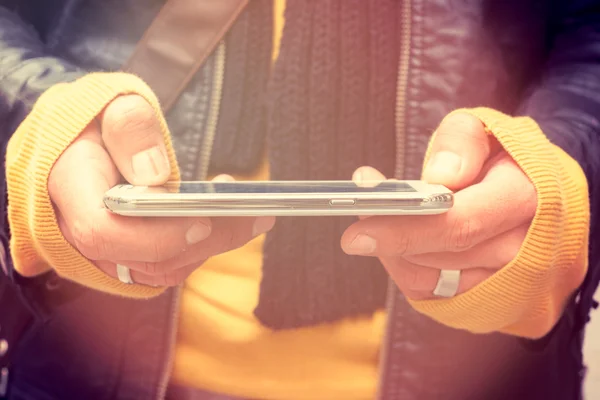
[[362, 245], [359, 177], [149, 164], [223, 178], [443, 163], [262, 225], [197, 233]]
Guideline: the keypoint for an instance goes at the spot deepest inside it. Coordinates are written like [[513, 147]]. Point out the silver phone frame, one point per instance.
[[126, 200]]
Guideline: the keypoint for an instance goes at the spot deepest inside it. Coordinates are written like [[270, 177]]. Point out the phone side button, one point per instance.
[[342, 202]]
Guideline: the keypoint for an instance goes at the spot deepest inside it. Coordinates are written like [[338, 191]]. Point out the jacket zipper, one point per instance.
[[402, 85], [401, 88], [213, 114], [201, 173], [385, 345], [163, 384]]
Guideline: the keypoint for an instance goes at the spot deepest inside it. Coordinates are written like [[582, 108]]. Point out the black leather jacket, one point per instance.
[[533, 57]]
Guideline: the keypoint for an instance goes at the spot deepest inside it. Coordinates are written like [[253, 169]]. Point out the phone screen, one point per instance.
[[288, 187]]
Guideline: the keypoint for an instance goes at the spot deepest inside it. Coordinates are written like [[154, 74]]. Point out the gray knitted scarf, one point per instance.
[[331, 110]]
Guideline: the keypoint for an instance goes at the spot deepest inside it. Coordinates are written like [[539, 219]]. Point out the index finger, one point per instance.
[[99, 234], [503, 200]]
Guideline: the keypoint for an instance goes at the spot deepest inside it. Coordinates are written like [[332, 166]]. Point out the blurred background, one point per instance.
[[592, 355]]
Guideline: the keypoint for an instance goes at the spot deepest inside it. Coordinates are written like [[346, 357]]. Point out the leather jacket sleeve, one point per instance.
[[565, 102], [26, 71]]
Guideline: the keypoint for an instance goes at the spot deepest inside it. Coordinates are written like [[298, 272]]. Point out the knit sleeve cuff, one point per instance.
[[59, 116], [527, 296]]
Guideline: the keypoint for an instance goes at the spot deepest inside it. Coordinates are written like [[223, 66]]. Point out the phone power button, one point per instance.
[[342, 202]]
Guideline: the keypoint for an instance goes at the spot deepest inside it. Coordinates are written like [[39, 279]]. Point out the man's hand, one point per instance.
[[126, 142], [494, 206]]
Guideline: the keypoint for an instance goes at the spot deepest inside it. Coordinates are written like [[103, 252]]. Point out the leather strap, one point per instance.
[[179, 40]]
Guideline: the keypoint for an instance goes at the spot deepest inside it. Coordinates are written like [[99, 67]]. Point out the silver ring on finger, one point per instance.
[[124, 274], [448, 282]]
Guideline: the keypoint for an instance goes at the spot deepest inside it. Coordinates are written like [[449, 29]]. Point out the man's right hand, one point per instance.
[[126, 143]]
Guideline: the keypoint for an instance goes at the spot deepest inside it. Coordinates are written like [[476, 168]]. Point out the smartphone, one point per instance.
[[279, 198]]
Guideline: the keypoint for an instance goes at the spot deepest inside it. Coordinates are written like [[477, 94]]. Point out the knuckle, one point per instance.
[[89, 240], [461, 123], [406, 276], [159, 251], [402, 245], [411, 279], [129, 114], [239, 239], [151, 268], [458, 127], [175, 278], [159, 280], [228, 240], [463, 235]]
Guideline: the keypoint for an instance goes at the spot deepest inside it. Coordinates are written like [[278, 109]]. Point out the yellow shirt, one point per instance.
[[222, 347]]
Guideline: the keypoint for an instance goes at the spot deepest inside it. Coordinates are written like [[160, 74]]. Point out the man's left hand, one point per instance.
[[494, 205]]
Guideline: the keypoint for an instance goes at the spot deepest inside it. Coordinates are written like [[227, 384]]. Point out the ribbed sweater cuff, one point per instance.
[[527, 296], [59, 116]]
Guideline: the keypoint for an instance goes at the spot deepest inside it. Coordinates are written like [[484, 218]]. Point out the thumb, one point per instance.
[[132, 134], [458, 152], [367, 177]]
